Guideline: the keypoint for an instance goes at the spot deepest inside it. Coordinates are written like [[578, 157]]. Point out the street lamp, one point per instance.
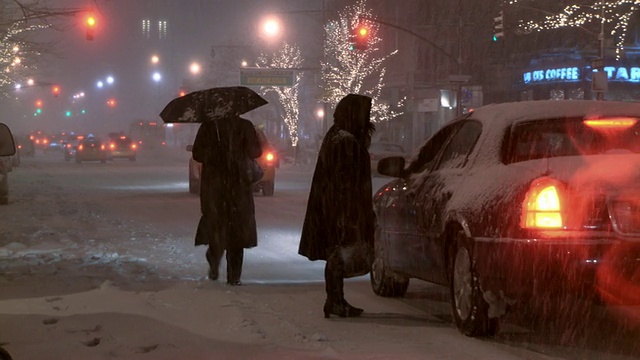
[[156, 76], [194, 68], [155, 59], [271, 27]]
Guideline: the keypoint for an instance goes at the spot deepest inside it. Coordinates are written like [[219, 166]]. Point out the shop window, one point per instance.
[[556, 94]]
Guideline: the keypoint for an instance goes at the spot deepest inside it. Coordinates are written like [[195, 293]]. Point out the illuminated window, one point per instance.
[[162, 29], [146, 28]]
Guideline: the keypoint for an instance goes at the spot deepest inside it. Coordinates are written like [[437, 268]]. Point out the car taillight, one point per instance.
[[80, 147], [543, 205], [610, 123], [134, 146], [112, 146], [270, 156], [19, 146], [102, 147]]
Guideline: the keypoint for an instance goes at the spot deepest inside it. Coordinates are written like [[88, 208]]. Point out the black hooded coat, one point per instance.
[[340, 208], [226, 201]]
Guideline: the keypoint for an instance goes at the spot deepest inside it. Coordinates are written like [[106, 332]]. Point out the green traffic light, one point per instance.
[[495, 38], [84, 111], [39, 111], [68, 113]]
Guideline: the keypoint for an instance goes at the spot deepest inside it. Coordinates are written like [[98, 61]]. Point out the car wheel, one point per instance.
[[470, 310], [268, 188], [384, 282]]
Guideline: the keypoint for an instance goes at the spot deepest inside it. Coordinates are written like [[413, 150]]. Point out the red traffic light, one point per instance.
[[56, 90], [38, 103], [111, 102], [90, 22], [361, 35]]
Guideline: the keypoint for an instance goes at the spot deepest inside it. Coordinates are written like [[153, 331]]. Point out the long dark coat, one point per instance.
[[340, 208], [226, 202]]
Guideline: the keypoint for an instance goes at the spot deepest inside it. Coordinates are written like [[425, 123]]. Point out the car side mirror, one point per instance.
[[189, 148], [7, 144], [392, 166]]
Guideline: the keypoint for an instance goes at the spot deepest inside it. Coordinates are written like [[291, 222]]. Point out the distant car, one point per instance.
[[269, 161], [122, 146], [91, 149], [70, 148], [514, 201], [379, 150], [7, 149]]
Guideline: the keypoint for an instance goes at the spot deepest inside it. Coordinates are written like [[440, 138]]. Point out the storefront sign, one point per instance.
[[552, 75], [572, 74]]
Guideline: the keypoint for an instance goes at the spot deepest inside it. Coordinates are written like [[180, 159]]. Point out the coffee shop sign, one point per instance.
[[571, 74]]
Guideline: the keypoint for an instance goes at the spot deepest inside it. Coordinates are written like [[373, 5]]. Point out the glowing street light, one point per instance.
[[194, 68], [271, 27], [110, 80], [156, 76], [155, 59], [100, 84]]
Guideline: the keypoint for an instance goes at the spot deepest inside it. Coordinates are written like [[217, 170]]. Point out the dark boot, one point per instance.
[[213, 258], [334, 280], [234, 266]]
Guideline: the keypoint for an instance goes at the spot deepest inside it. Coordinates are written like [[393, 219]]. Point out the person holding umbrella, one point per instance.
[[224, 144], [339, 222]]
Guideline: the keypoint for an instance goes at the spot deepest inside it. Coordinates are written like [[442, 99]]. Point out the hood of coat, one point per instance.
[[353, 114]]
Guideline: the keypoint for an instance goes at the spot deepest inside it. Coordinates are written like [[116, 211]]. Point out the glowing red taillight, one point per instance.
[[543, 204], [112, 146], [134, 146], [610, 123], [270, 156], [80, 147], [102, 147]]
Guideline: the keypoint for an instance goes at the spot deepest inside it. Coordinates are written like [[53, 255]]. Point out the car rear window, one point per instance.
[[123, 142], [386, 148], [568, 137]]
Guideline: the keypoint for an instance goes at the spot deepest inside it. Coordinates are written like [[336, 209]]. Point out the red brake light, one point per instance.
[[610, 123], [270, 156], [80, 147], [19, 146], [542, 205], [102, 147], [112, 146], [134, 146]]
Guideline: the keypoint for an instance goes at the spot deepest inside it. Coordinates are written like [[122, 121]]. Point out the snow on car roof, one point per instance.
[[507, 113]]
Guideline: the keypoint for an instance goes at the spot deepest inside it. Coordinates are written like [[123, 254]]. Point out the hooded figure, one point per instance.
[[228, 222], [340, 208]]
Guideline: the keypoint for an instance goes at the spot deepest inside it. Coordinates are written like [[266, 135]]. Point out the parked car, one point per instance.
[[381, 149], [122, 147], [7, 149], [512, 201], [269, 161], [91, 149]]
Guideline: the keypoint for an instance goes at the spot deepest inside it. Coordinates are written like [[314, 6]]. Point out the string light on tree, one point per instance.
[[616, 13], [287, 57], [347, 69]]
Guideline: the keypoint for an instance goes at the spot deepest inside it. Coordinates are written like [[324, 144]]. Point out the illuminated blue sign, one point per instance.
[[572, 74], [552, 75]]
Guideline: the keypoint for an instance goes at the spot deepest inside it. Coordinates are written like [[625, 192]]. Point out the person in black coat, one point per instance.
[[340, 208], [223, 146]]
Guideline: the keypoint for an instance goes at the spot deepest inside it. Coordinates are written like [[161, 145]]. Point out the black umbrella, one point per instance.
[[220, 102]]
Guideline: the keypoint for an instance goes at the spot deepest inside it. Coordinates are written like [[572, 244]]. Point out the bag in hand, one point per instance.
[[254, 171], [357, 259]]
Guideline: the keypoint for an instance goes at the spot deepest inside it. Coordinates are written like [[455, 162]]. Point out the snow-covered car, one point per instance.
[[91, 149], [516, 200], [7, 149]]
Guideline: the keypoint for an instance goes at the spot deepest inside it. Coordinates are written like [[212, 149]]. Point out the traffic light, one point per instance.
[[111, 102], [361, 35], [90, 23], [55, 90], [498, 26]]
